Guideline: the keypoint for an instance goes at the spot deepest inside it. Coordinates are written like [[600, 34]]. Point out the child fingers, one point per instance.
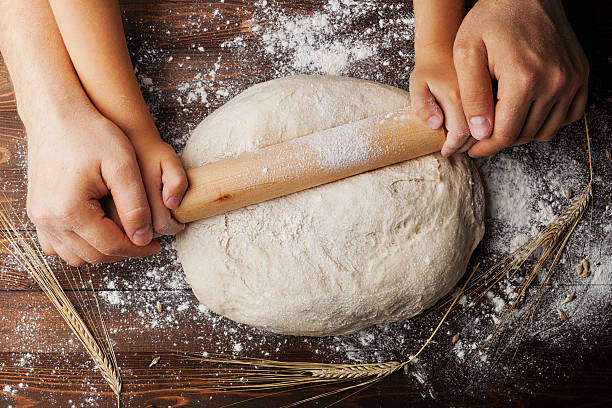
[[174, 180], [455, 123], [424, 104], [163, 223]]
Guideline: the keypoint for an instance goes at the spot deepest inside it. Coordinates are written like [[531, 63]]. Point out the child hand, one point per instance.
[[75, 158], [434, 94], [164, 179]]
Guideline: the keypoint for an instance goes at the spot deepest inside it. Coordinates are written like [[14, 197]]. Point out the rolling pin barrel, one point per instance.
[[306, 162]]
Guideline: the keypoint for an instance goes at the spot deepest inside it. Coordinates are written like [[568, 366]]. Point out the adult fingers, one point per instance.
[[472, 68], [515, 96], [174, 181], [553, 122], [106, 236], [577, 106], [124, 181], [64, 252], [84, 250], [45, 243], [538, 113], [424, 104]]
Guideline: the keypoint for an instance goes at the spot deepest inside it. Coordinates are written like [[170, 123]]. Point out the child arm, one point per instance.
[[434, 89], [94, 37]]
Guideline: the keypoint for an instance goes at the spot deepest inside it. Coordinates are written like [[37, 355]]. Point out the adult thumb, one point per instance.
[[124, 181], [475, 87]]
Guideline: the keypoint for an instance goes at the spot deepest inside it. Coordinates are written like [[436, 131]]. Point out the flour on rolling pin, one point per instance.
[[342, 147], [351, 145]]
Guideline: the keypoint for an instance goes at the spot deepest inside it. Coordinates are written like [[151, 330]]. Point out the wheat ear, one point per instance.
[[551, 241], [253, 374], [19, 244]]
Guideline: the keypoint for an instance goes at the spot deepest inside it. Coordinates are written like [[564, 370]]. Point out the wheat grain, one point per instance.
[[562, 314], [357, 371], [568, 299], [154, 361]]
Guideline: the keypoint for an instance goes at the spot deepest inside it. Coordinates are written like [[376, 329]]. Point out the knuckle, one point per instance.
[[178, 183], [162, 226], [423, 111], [97, 258], [462, 51], [504, 139], [64, 215], [122, 166], [113, 248], [559, 77], [137, 214], [527, 79], [47, 250], [182, 184], [37, 215], [454, 96]]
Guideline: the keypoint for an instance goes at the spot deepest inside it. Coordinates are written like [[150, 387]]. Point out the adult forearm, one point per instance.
[[41, 71], [94, 37], [436, 24]]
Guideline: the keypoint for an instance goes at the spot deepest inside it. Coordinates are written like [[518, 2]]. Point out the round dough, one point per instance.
[[374, 248]]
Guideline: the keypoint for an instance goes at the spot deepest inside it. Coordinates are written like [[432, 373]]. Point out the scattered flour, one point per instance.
[[522, 197]]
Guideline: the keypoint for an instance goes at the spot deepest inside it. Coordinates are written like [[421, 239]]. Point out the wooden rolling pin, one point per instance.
[[306, 162]]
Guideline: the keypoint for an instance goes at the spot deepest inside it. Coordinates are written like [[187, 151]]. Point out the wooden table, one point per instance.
[[42, 364]]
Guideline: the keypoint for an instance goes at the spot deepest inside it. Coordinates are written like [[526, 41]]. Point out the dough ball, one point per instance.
[[374, 248]]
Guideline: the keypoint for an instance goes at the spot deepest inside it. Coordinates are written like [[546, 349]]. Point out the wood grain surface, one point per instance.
[[42, 364]]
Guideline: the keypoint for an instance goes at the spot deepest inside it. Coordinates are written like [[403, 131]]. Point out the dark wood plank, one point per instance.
[[47, 358]]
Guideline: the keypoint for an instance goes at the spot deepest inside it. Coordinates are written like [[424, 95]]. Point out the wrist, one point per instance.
[[46, 107], [142, 132], [433, 52]]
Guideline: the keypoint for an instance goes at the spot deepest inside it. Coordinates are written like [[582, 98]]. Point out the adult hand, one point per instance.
[[75, 158], [529, 47]]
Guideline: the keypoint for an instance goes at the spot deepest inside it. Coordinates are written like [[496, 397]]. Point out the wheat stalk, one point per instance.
[[255, 374], [95, 339], [551, 241]]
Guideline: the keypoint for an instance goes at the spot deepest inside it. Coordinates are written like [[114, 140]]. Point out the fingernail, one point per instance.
[[143, 235], [172, 202], [434, 121], [479, 127]]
